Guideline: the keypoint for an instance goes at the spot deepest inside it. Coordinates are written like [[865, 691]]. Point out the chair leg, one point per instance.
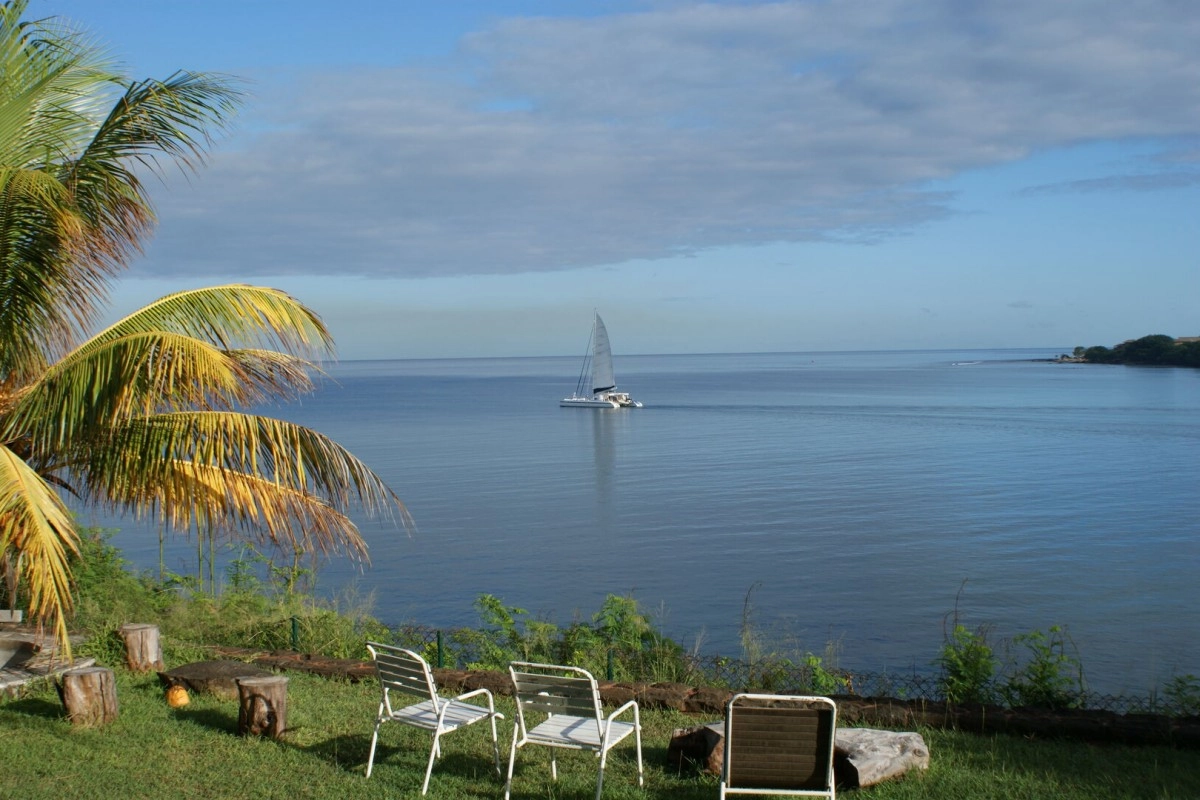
[[433, 753], [600, 775], [637, 735], [374, 740], [495, 746], [512, 756]]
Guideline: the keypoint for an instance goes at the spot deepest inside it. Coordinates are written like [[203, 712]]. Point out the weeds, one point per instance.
[[1183, 695], [968, 666], [1050, 677]]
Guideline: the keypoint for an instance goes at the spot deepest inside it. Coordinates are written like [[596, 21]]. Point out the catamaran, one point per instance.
[[597, 372]]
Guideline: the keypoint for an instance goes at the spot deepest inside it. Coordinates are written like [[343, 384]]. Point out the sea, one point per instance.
[[849, 504]]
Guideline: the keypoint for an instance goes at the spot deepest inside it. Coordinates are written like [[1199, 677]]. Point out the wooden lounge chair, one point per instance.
[[404, 671], [779, 745], [570, 699]]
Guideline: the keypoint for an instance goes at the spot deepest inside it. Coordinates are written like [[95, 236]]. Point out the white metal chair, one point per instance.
[[406, 672], [571, 700], [779, 745]]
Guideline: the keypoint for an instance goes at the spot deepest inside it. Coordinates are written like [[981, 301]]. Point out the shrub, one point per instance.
[[968, 666], [1183, 695], [1050, 677]]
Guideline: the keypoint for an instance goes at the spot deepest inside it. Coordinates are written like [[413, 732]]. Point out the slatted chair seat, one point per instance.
[[577, 732], [455, 714], [570, 699], [779, 745], [406, 673]]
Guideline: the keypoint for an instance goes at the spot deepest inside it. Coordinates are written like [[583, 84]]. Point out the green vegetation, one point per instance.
[[142, 416], [1154, 350], [968, 666], [1050, 676], [1042, 668]]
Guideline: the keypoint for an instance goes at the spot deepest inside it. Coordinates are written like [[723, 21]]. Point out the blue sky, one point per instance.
[[465, 179]]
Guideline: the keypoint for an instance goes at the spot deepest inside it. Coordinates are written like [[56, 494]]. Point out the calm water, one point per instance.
[[854, 493]]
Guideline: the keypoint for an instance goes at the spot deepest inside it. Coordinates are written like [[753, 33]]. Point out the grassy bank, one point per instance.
[[153, 751]]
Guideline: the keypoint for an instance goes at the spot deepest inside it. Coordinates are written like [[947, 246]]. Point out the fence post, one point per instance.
[[440, 659], [296, 634], [608, 671]]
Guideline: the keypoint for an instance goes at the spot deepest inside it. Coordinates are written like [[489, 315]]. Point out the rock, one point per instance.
[[699, 747], [707, 700], [865, 756]]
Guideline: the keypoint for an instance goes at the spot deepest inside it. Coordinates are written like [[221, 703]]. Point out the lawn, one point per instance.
[[154, 751]]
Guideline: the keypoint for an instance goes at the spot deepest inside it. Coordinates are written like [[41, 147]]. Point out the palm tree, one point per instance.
[[146, 415]]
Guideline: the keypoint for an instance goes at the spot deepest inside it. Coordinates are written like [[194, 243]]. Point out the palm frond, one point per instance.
[[154, 121], [173, 465], [77, 400], [236, 506], [55, 88], [231, 316], [47, 297], [35, 523]]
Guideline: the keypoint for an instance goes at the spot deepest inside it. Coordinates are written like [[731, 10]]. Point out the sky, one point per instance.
[[471, 179]]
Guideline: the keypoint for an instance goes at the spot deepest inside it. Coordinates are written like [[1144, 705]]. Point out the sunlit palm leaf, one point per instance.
[[35, 523], [178, 461], [76, 400], [234, 506], [231, 316]]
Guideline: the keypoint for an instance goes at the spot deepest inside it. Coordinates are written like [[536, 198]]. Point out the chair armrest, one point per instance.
[[476, 693], [631, 704]]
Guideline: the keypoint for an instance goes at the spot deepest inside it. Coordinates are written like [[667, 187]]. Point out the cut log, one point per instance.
[[89, 696], [262, 706], [143, 650], [217, 678]]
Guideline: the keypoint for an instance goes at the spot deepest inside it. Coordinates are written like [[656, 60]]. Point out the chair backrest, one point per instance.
[[403, 671], [779, 742], [555, 689]]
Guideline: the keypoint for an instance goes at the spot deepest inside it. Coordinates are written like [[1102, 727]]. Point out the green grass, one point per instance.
[[153, 751]]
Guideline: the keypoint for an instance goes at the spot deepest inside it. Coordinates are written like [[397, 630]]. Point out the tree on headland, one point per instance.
[[1157, 349], [143, 416]]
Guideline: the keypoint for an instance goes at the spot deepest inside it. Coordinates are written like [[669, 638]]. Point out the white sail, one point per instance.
[[602, 369]]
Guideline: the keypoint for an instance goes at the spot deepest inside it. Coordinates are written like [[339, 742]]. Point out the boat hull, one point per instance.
[[587, 402], [613, 400]]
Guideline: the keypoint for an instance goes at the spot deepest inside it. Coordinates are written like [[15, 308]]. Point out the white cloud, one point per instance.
[[556, 143]]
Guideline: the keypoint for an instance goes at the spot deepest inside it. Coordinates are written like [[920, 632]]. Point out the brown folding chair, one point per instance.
[[779, 745]]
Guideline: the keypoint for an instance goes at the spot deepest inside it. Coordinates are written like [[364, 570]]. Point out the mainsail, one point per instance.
[[602, 369]]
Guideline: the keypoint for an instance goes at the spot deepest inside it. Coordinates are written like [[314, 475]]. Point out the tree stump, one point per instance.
[[262, 706], [143, 651], [89, 696]]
